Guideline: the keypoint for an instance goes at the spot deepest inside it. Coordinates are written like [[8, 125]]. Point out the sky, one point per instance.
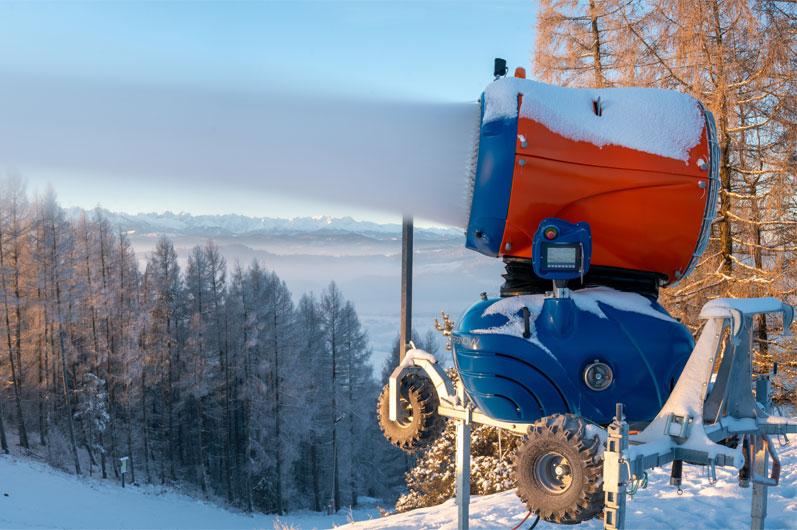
[[408, 52]]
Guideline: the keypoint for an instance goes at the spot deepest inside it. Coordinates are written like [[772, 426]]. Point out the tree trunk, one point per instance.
[[68, 400], [315, 473], [170, 398], [42, 383], [129, 420], [203, 481], [724, 139], [3, 441], [62, 347], [278, 411], [758, 259], [145, 426], [15, 378], [597, 65]]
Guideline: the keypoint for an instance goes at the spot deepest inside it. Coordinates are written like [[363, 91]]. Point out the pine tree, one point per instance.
[[432, 480]]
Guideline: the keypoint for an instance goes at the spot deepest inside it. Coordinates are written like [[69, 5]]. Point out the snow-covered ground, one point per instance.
[[33, 495], [702, 505]]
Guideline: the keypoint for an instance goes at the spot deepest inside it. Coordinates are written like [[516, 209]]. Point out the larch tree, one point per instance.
[[737, 57], [582, 43], [218, 387], [13, 231], [55, 243], [165, 284], [311, 353]]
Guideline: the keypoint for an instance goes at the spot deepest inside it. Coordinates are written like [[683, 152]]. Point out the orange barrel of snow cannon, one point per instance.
[[639, 165]]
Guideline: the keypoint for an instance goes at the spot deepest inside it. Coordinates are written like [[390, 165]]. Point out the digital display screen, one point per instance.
[[557, 256]]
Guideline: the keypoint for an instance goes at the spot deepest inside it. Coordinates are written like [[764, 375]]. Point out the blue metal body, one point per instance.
[[491, 190], [516, 380]]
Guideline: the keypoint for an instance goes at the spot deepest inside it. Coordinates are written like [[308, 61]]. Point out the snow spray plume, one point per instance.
[[402, 157]]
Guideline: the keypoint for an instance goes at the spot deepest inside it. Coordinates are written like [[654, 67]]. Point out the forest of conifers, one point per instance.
[[207, 377]]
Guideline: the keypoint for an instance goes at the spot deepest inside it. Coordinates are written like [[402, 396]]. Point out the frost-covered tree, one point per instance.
[[54, 243], [14, 227], [165, 288], [91, 410], [432, 480], [583, 43], [312, 356], [209, 378], [736, 56]]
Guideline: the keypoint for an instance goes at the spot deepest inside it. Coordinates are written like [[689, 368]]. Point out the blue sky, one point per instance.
[[433, 51]]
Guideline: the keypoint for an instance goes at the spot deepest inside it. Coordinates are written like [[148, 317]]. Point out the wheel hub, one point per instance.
[[553, 472], [404, 418]]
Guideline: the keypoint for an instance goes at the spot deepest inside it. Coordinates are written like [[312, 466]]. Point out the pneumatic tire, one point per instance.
[[418, 424], [559, 470]]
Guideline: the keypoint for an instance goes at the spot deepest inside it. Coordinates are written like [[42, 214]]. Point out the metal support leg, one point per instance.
[[463, 468], [615, 473], [758, 512]]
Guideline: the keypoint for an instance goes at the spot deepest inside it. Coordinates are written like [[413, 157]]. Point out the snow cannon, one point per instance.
[[640, 165], [594, 199]]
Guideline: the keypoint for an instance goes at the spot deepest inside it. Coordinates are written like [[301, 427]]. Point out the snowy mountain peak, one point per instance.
[[184, 223]]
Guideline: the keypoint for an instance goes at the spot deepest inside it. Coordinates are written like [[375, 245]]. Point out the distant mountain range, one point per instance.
[[173, 224]]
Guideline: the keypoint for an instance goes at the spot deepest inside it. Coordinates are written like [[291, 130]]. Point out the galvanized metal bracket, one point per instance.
[[445, 390], [677, 427], [616, 473]]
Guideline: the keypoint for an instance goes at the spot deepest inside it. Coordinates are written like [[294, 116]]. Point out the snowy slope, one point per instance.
[[40, 497], [702, 505], [34, 495]]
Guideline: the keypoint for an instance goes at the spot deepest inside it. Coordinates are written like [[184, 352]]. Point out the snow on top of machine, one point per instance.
[[416, 353], [656, 121], [585, 299], [515, 327], [731, 307], [721, 307], [687, 400]]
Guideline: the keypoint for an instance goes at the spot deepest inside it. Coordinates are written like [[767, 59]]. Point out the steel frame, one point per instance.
[[699, 413]]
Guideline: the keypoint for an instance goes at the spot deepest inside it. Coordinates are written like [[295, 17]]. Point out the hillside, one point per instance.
[[36, 496]]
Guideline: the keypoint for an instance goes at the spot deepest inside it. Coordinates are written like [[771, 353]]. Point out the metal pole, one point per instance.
[[406, 286], [463, 467], [615, 474], [758, 511]]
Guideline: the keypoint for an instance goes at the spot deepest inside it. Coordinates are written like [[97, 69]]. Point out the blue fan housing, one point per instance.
[[518, 379]]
